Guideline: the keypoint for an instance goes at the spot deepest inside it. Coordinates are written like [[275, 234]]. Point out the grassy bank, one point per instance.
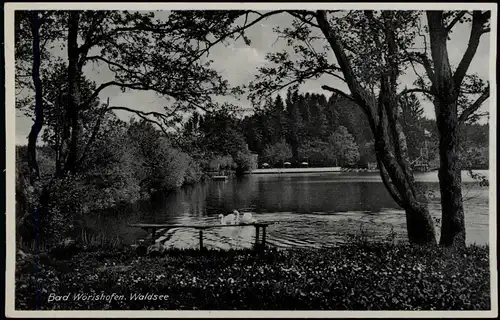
[[354, 277]]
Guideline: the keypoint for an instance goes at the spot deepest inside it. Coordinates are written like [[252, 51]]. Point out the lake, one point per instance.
[[307, 209]]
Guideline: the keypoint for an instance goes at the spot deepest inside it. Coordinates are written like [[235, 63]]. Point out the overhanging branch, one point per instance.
[[136, 86], [464, 116], [301, 15], [454, 21], [210, 44], [339, 92], [109, 62], [144, 115], [408, 91]]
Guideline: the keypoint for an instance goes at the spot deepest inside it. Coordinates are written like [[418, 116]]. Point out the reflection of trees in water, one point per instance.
[[307, 196], [193, 199], [374, 197]]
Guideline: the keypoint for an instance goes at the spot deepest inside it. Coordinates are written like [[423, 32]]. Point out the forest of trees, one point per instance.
[[323, 131]]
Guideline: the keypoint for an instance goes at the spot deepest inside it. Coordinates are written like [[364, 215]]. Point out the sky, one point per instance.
[[238, 63]]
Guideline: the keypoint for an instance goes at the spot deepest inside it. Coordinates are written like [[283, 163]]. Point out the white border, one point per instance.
[[10, 118]]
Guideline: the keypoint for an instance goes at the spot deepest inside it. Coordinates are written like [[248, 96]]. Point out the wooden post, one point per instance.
[[257, 228], [263, 237], [201, 239]]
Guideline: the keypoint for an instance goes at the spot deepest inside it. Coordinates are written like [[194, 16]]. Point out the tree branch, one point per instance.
[[387, 182], [150, 113], [454, 21], [478, 20], [345, 65], [339, 92], [221, 38], [300, 15], [464, 116], [408, 91], [109, 62], [136, 86], [144, 115], [424, 61]]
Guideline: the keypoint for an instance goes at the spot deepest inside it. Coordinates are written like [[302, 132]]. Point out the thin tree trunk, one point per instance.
[[74, 90], [38, 123], [61, 133]]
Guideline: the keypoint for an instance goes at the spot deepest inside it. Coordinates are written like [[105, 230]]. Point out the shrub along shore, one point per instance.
[[358, 276]]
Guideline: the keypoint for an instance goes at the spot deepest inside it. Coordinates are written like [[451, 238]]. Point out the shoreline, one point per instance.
[[331, 169], [296, 170]]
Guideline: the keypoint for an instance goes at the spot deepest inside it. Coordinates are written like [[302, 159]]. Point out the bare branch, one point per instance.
[[109, 62], [301, 15], [454, 21], [478, 21], [136, 86], [476, 105], [339, 92], [423, 60], [236, 30], [408, 91], [144, 115], [150, 113]]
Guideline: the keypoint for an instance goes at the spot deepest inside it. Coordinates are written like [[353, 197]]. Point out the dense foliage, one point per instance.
[[359, 276], [334, 132], [126, 163]]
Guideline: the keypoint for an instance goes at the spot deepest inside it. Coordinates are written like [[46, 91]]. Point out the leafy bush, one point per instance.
[[193, 172], [277, 153], [371, 276], [244, 162]]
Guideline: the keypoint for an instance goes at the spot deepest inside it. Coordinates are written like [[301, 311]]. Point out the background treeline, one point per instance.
[[323, 131]]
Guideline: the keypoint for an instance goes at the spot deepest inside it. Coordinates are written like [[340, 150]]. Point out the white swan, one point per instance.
[[247, 217], [225, 220], [229, 219]]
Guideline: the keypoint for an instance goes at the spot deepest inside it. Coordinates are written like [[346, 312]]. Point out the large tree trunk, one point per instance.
[[74, 90], [450, 179], [38, 123], [445, 104]]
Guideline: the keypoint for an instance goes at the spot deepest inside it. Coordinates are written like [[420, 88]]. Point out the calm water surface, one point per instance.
[[307, 209]]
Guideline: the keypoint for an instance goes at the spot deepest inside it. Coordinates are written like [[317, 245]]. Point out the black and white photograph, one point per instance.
[[251, 159]]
